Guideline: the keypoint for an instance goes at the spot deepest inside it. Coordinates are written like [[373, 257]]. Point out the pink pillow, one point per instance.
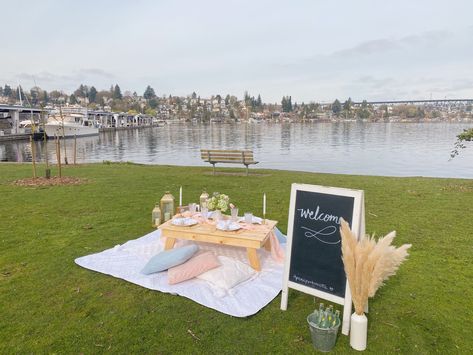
[[193, 267]]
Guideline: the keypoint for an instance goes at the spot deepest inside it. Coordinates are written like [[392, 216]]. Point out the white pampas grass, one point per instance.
[[368, 263]]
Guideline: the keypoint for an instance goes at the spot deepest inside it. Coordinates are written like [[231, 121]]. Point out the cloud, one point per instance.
[[69, 82], [413, 66], [367, 48], [375, 83], [96, 72], [388, 88], [408, 66], [388, 46], [44, 77]]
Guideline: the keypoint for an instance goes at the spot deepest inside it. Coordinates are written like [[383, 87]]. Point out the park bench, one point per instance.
[[214, 156]]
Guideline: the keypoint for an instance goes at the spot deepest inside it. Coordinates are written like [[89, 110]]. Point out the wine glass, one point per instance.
[[234, 214], [248, 217], [204, 211]]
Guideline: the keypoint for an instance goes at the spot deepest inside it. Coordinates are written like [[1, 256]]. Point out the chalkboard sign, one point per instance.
[[314, 259], [316, 256]]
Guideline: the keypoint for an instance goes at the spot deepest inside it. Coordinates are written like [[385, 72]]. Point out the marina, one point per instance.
[[20, 122]]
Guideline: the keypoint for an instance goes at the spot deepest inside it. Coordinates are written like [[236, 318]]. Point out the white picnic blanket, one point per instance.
[[125, 262]]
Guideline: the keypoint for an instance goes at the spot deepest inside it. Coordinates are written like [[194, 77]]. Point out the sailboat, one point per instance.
[[30, 126]]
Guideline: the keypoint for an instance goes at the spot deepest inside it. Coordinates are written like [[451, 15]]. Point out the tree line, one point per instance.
[[149, 101], [83, 95]]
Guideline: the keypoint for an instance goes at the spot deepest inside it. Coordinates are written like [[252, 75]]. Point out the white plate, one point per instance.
[[256, 220], [228, 225], [184, 221]]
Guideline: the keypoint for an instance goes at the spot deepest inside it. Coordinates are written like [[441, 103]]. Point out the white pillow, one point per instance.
[[231, 273]]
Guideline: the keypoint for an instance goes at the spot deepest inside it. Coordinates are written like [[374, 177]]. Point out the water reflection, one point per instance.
[[401, 149]]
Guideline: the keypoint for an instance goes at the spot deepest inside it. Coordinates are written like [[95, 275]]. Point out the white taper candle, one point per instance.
[[264, 204], [180, 196]]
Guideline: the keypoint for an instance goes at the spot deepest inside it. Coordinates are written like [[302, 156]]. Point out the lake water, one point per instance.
[[392, 149]]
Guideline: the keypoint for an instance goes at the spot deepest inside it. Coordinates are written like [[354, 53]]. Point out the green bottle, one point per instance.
[[336, 318], [320, 314], [329, 311], [323, 323]]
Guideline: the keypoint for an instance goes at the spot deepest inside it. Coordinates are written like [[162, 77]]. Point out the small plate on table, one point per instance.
[[228, 225], [256, 220], [184, 221]]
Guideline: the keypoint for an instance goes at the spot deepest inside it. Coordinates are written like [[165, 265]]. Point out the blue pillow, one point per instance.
[[169, 258], [281, 237]]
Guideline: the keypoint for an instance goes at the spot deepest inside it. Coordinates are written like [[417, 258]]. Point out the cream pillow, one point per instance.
[[230, 273]]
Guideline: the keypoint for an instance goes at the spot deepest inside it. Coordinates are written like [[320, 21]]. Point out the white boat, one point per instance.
[[159, 123], [255, 119], [70, 126], [26, 126]]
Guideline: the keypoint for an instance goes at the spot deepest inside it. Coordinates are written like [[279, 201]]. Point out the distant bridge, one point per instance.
[[17, 108], [431, 101]]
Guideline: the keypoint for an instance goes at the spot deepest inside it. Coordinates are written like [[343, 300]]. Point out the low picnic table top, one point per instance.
[[249, 236]]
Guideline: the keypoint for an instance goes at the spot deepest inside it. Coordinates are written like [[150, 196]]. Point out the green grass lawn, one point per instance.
[[48, 304]]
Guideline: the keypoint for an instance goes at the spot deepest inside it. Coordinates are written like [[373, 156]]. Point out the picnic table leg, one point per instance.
[[169, 243], [253, 258], [267, 245]]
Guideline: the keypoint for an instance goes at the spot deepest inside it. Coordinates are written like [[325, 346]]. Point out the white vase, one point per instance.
[[358, 331]]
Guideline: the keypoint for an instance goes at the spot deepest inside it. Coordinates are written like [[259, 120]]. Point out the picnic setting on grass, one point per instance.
[[228, 259]]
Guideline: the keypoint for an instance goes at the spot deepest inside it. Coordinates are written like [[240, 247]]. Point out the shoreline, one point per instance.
[[232, 171]]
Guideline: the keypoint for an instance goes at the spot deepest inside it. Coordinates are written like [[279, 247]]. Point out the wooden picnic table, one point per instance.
[[252, 238]]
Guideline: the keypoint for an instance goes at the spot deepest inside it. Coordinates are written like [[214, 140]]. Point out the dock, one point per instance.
[[10, 118], [12, 115], [15, 137]]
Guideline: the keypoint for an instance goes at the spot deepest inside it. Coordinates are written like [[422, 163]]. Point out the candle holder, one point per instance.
[[167, 206], [203, 199], [156, 217]]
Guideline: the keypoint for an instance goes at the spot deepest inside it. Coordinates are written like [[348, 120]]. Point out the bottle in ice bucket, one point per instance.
[[327, 318], [336, 318], [320, 314], [156, 215]]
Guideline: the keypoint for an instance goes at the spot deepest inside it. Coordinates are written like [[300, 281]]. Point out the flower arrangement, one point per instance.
[[218, 201], [368, 263]]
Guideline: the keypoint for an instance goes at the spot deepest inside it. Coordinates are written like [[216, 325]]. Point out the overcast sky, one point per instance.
[[312, 50]]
